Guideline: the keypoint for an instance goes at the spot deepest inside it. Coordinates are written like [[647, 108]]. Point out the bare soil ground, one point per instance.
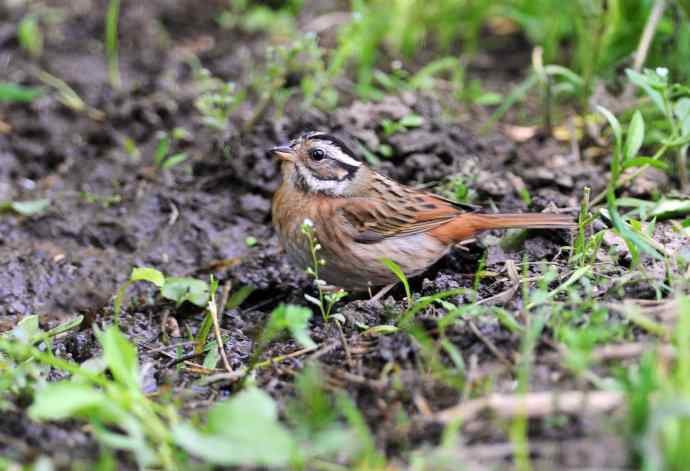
[[110, 212]]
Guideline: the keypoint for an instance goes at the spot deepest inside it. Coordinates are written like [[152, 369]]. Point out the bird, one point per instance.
[[361, 218]]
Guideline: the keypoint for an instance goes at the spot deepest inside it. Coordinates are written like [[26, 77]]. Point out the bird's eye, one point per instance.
[[317, 154]]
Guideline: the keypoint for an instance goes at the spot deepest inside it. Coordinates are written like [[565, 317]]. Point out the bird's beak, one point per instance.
[[283, 153]]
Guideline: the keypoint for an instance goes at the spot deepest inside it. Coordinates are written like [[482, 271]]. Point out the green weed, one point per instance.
[[104, 201], [173, 288], [163, 158], [326, 300], [112, 43], [410, 121], [25, 208], [253, 18], [106, 393], [217, 99], [142, 426], [14, 93], [658, 395], [30, 35], [20, 374]]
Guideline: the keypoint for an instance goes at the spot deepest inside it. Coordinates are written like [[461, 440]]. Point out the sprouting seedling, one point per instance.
[[409, 121], [584, 218], [415, 306], [286, 317], [111, 43], [673, 101], [162, 157], [201, 339], [68, 96], [121, 416], [30, 36], [624, 156], [397, 271], [173, 288], [25, 208], [326, 301], [217, 99], [15, 93]]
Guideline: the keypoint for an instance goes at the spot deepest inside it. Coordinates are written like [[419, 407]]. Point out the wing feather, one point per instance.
[[374, 219]]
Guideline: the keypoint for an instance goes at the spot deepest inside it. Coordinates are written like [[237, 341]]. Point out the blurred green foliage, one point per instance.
[[592, 37]]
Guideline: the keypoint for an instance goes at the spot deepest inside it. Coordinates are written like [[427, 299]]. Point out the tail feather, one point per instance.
[[468, 225]]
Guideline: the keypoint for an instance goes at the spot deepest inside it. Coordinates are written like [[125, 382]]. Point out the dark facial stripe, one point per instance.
[[351, 170], [335, 141]]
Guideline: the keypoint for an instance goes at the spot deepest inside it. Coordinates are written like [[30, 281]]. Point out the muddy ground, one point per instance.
[[110, 212]]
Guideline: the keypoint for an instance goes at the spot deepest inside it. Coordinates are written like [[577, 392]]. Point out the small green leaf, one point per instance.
[[412, 121], [425, 301], [682, 111], [233, 428], [239, 296], [397, 271], [297, 319], [558, 70], [181, 134], [685, 4], [212, 356], [489, 99], [131, 148], [14, 93], [162, 150], [668, 208], [424, 78], [30, 35], [65, 326], [212, 448], [181, 289], [121, 357], [646, 83], [615, 125], [507, 321], [63, 400], [634, 239], [642, 161], [635, 136], [369, 156], [148, 274], [312, 299], [28, 208], [174, 160], [202, 333], [133, 440], [26, 329], [293, 318]]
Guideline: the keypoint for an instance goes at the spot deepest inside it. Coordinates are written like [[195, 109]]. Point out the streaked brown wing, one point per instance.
[[375, 218]]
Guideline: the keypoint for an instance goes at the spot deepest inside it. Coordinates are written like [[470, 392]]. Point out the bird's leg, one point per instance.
[[381, 293]]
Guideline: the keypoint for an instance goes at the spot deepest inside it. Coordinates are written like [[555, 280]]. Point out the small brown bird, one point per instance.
[[361, 217]]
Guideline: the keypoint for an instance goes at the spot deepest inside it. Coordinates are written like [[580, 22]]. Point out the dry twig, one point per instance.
[[533, 405], [213, 309]]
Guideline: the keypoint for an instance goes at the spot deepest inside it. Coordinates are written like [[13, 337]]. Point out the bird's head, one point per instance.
[[318, 162]]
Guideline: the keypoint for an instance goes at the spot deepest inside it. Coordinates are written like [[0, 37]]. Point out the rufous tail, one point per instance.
[[468, 225]]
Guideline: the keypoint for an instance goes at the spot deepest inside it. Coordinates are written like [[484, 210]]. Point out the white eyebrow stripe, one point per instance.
[[335, 152]]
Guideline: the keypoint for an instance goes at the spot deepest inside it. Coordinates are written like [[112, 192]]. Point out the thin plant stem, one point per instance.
[[646, 40], [213, 309], [111, 43], [624, 181]]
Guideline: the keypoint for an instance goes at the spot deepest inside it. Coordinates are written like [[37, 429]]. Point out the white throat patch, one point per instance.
[[328, 187]]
